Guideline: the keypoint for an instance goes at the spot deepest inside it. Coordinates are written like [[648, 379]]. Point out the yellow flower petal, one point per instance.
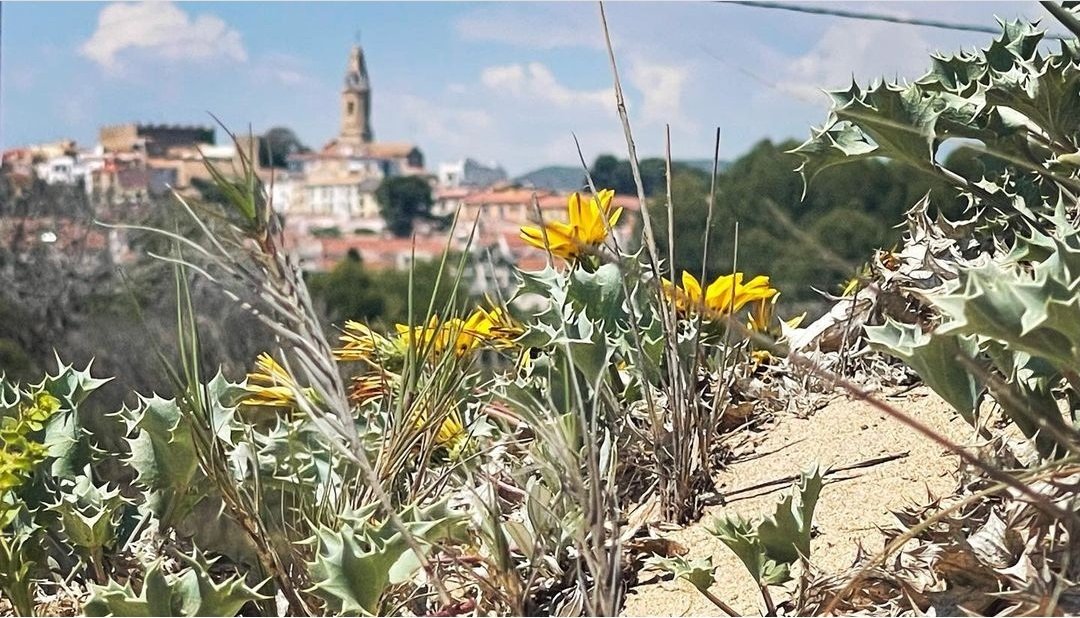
[[692, 288], [586, 230]]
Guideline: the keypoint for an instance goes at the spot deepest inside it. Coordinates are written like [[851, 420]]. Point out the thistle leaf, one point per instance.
[[936, 358]]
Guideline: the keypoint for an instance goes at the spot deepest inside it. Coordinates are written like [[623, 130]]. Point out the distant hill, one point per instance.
[[560, 178], [564, 178]]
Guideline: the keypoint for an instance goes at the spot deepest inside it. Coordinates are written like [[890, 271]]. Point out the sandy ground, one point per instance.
[[848, 512]]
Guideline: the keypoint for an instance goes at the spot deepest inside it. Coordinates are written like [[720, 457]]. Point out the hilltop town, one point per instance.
[[328, 198]]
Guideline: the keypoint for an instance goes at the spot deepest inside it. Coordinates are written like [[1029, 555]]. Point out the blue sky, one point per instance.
[[495, 81]]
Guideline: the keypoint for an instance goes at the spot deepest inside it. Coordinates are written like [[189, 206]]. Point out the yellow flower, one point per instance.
[[371, 386], [494, 327], [359, 342], [435, 336], [482, 327], [757, 289], [761, 316], [586, 230], [271, 385], [724, 296], [451, 432]]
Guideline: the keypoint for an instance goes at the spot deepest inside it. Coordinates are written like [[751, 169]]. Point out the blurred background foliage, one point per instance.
[[810, 243], [804, 244]]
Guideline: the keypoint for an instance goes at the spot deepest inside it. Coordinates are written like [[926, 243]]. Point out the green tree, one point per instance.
[[803, 243], [381, 297], [348, 291], [276, 146], [403, 199], [610, 172], [606, 174]]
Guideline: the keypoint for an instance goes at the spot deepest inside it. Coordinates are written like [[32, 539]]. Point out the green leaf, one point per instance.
[[355, 565], [957, 74], [935, 357], [16, 571], [1034, 315], [901, 121], [785, 534], [163, 455], [836, 143], [700, 572], [770, 546], [72, 386], [88, 513], [192, 592], [598, 294], [587, 345], [1050, 98], [741, 537]]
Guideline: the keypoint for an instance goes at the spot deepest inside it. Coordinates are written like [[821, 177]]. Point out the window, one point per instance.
[[349, 108]]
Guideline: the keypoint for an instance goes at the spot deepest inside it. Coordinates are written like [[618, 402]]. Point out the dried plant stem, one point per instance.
[[708, 428], [787, 480], [717, 601], [675, 489], [914, 531], [770, 606]]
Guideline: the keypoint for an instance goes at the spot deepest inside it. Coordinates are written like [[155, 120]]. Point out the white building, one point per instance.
[[286, 191], [61, 170], [470, 173]]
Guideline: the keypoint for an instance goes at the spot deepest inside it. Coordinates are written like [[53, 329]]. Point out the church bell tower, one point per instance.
[[356, 101]]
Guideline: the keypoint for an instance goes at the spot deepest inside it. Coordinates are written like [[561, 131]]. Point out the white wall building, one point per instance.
[[60, 170], [470, 173]]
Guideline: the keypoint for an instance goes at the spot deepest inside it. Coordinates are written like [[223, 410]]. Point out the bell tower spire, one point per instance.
[[356, 100]]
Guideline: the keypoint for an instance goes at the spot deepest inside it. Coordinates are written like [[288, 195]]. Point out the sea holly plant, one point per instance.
[[89, 516], [699, 572], [39, 428], [356, 564], [1011, 96], [191, 592], [163, 457], [999, 319], [770, 546], [1008, 330], [331, 478], [16, 568]]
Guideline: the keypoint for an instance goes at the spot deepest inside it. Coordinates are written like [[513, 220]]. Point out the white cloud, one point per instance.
[[538, 27], [661, 87], [283, 69], [866, 51], [160, 29], [535, 82], [449, 126]]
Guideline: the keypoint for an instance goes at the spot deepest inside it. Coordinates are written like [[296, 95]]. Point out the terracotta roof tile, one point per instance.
[[503, 196]]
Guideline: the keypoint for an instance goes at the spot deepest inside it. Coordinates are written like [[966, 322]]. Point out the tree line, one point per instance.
[[805, 243]]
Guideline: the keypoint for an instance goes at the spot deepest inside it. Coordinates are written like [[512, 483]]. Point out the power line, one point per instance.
[[928, 23]]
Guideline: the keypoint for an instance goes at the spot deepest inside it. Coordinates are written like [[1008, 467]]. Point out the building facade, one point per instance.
[[470, 173], [335, 186]]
